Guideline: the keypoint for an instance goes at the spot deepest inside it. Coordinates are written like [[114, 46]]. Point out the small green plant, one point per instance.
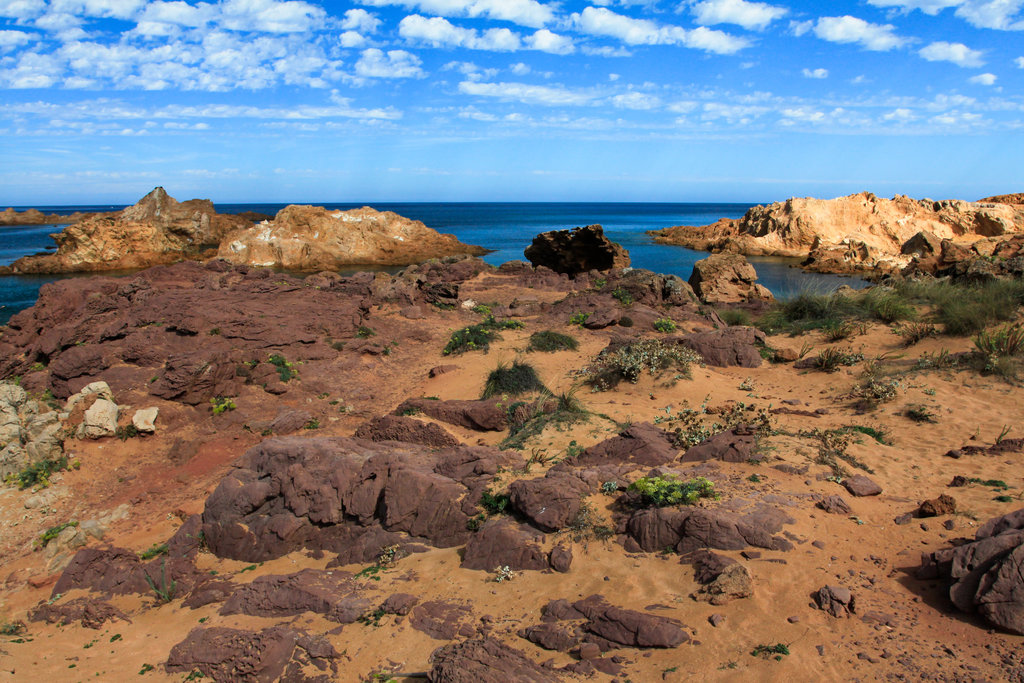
[[214, 331], [372, 618], [51, 534], [13, 628], [831, 359], [586, 525], [629, 361], [919, 413], [665, 325], [472, 338], [599, 283], [38, 473], [129, 431], [574, 450], [873, 391], [482, 309], [165, 590], [512, 380], [992, 483], [154, 551], [754, 478], [1003, 499], [365, 332], [578, 318], [838, 330], [493, 504], [285, 370], [36, 367], [146, 668], [912, 333], [623, 296], [550, 341], [776, 651], [625, 321], [663, 491], [312, 424], [610, 488], [372, 572], [222, 404]]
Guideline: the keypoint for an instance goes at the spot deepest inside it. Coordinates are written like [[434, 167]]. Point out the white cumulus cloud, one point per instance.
[[375, 63], [13, 39], [1004, 15], [1019, 62], [528, 94], [360, 20], [983, 79], [957, 53], [815, 73], [749, 15], [931, 7], [522, 12], [847, 29], [440, 32], [636, 101], [599, 21], [546, 41]]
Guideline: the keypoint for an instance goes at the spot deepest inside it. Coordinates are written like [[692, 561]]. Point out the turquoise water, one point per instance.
[[507, 228]]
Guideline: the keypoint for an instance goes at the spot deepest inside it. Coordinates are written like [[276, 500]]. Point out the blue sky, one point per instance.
[[509, 100]]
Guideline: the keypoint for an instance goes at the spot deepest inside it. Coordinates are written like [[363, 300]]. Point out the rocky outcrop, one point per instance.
[[485, 660], [159, 230], [312, 238], [727, 279], [857, 233], [36, 217], [576, 251], [337, 494], [156, 230], [988, 573], [30, 430]]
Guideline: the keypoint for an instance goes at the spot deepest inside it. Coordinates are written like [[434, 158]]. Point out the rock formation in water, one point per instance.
[[576, 251], [159, 230], [156, 230], [36, 217], [856, 233], [315, 238]]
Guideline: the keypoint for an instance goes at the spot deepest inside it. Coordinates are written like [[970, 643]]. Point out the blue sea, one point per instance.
[[507, 228]]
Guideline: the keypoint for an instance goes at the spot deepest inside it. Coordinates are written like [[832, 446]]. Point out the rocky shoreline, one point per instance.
[[865, 235], [159, 230]]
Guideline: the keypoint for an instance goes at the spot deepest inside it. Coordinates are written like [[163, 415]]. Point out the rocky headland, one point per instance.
[[36, 217], [862, 233], [159, 230], [472, 473]]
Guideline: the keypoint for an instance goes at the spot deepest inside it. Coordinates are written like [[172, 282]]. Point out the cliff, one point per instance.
[[313, 238], [859, 232]]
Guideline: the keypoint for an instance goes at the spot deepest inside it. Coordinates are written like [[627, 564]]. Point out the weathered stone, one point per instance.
[[144, 420], [859, 485], [576, 251], [100, 420], [726, 278]]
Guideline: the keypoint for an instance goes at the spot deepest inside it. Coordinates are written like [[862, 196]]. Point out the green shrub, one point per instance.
[[830, 359], [221, 404], [837, 330], [493, 503], [1005, 341], [887, 305], [665, 325], [38, 473], [365, 332], [625, 321], [919, 413], [734, 317], [472, 338], [578, 318], [512, 380], [156, 550], [911, 333], [284, 368], [776, 651], [51, 534], [629, 361], [623, 296], [551, 341], [668, 490], [491, 323]]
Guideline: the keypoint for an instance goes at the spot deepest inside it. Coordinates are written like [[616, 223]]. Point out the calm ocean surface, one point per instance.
[[505, 227]]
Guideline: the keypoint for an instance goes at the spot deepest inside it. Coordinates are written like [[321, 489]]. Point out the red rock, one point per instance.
[[727, 347], [937, 507], [836, 600], [552, 502], [91, 612], [332, 594], [407, 429], [504, 543], [733, 445], [552, 636], [642, 443], [238, 656], [859, 485], [485, 660], [442, 620], [483, 416], [834, 505], [628, 627]]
